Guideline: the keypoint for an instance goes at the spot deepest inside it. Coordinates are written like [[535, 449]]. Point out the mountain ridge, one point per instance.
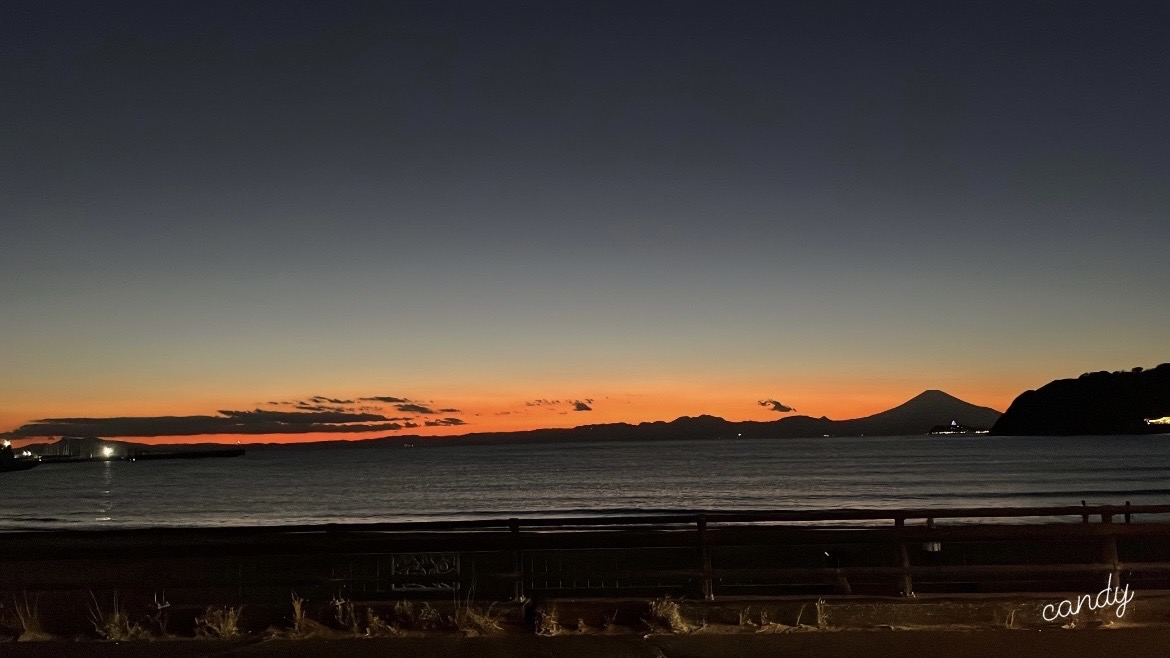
[[915, 416]]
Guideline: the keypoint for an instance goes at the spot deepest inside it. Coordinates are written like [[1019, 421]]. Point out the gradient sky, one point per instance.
[[664, 208]]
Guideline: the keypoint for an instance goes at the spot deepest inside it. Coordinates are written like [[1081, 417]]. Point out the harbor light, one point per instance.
[[108, 452]]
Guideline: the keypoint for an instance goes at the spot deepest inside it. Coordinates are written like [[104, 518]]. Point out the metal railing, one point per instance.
[[699, 554]]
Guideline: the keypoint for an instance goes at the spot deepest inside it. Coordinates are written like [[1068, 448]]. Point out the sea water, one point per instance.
[[273, 485]]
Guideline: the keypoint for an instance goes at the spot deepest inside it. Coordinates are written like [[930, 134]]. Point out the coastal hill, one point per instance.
[[1094, 403], [916, 416]]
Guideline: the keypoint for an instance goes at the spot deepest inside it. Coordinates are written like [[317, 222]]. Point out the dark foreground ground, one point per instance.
[[976, 644], [738, 590]]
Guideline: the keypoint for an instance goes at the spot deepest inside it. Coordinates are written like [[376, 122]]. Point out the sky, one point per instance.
[[277, 221]]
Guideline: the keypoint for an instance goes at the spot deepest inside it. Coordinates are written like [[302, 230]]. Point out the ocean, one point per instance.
[[275, 485]]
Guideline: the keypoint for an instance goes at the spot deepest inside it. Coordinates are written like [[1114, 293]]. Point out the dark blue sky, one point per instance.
[[567, 199]]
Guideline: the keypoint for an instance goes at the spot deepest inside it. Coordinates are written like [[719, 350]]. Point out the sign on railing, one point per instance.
[[432, 571]]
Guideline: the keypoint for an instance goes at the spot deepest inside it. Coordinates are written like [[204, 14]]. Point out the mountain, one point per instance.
[[921, 413], [1094, 403]]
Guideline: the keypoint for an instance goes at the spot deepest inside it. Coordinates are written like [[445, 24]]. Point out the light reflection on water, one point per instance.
[[351, 483], [107, 500]]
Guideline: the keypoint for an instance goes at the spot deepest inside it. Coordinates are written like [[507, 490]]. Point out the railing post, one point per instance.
[[907, 581], [517, 560], [705, 556], [1127, 515]]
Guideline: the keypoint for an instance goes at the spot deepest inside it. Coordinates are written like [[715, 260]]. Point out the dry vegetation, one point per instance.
[[666, 616], [115, 624], [219, 622], [26, 617], [547, 621]]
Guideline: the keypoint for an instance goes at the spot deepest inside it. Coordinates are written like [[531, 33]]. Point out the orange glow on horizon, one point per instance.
[[513, 411]]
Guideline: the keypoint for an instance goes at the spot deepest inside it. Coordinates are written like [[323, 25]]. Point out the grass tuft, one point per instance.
[[609, 622], [115, 625], [303, 627], [666, 614], [547, 622], [474, 621], [378, 627], [420, 618], [768, 626], [220, 622], [28, 617], [346, 616]]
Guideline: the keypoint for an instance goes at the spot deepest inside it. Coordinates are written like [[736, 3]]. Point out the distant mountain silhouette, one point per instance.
[[916, 416], [921, 414], [1094, 403]]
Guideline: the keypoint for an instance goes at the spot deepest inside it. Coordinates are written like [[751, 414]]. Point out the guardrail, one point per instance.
[[698, 554]]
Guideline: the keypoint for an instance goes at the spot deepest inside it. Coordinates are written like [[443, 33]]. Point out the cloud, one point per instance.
[[295, 417], [389, 399], [576, 405], [449, 411], [413, 408], [320, 407], [445, 422], [319, 399], [229, 422], [776, 405]]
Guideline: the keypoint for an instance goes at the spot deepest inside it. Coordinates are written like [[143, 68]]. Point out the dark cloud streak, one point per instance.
[[241, 422], [775, 405], [445, 422], [293, 417]]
